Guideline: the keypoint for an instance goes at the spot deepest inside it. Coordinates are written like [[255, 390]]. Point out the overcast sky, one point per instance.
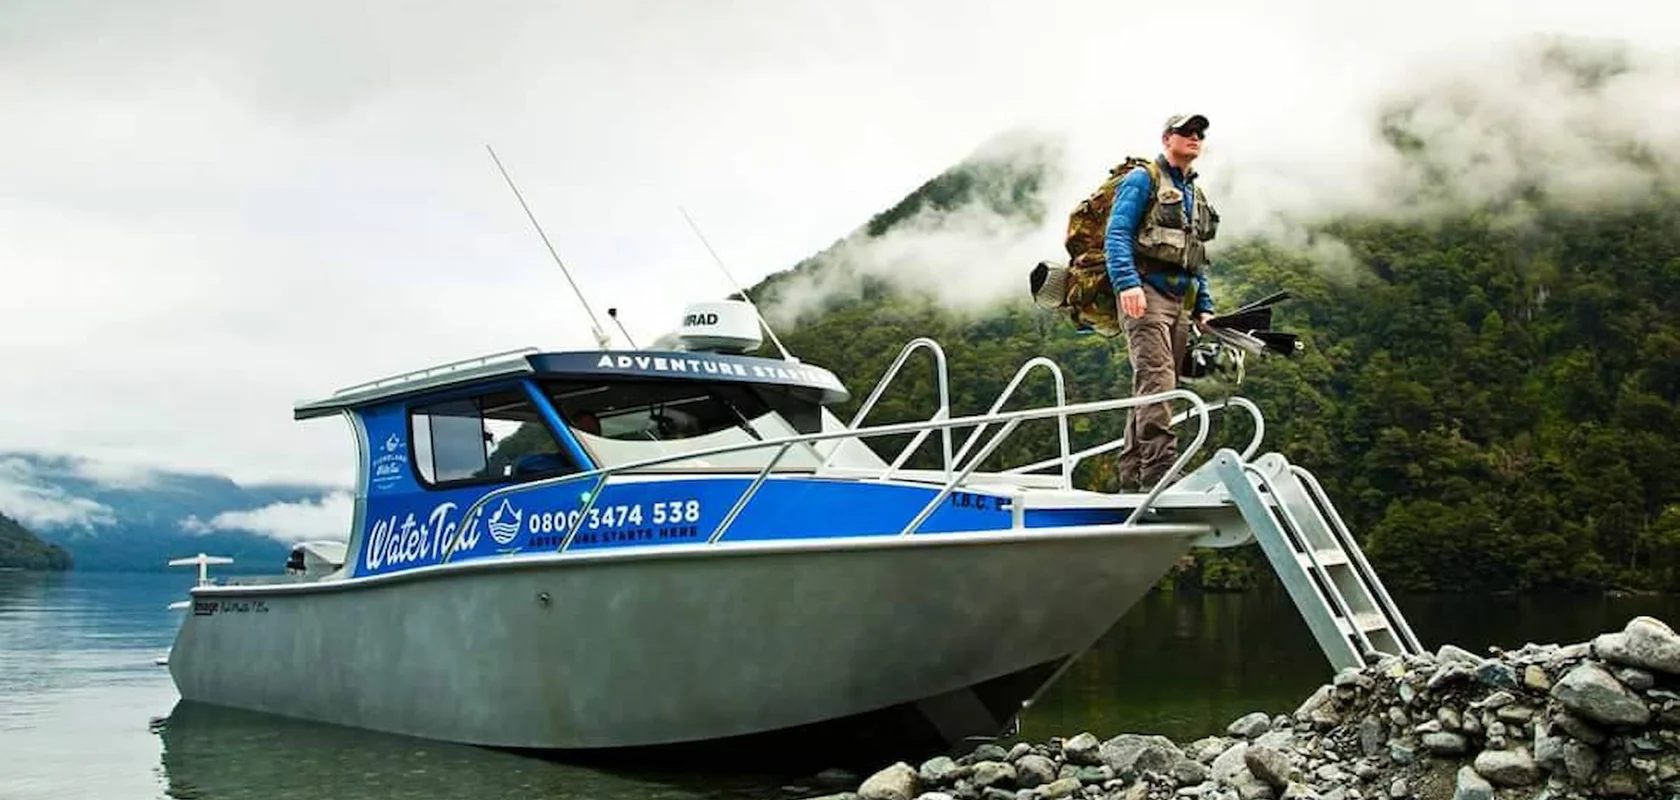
[[211, 210]]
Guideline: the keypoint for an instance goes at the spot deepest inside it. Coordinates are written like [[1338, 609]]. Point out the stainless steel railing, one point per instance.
[[1009, 420]]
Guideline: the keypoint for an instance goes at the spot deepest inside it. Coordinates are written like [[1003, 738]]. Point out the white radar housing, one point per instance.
[[720, 326]]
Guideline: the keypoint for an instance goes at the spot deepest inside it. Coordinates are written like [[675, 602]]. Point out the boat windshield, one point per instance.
[[624, 421]]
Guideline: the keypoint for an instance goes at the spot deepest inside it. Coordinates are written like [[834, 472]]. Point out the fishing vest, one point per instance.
[[1167, 239]]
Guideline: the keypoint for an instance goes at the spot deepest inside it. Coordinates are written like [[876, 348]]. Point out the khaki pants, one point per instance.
[[1156, 344]]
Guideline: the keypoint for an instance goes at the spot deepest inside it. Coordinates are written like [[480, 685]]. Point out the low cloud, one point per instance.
[[27, 496], [323, 518], [1551, 121]]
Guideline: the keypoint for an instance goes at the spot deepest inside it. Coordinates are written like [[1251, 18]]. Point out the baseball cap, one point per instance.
[[1192, 121]]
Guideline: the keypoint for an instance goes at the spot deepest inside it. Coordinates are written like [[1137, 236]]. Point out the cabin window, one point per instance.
[[628, 421], [496, 436]]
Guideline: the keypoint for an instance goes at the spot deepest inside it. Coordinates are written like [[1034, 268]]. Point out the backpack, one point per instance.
[[1088, 222], [1082, 289]]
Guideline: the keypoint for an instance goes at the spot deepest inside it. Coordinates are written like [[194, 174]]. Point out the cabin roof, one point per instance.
[[644, 364]]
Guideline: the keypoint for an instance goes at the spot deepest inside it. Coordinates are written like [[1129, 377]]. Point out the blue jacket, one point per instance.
[[1130, 197]]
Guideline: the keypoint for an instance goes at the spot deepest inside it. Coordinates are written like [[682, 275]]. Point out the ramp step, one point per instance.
[[1328, 558], [1315, 556]]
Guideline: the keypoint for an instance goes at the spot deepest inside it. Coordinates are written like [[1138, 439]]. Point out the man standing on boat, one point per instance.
[[1157, 264]]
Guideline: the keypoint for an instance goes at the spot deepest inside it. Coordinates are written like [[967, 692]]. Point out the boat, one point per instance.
[[683, 550]]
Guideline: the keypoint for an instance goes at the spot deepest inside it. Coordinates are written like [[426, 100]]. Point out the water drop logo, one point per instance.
[[504, 524], [392, 444]]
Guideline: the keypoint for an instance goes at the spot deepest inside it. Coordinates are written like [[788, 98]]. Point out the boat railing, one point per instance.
[[439, 369], [1008, 391], [1009, 421], [1071, 461], [942, 381]]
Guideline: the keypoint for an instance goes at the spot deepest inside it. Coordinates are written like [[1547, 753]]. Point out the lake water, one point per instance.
[[84, 711]]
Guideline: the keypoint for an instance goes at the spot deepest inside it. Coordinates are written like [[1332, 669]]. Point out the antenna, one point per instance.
[[743, 292], [594, 324], [613, 312]]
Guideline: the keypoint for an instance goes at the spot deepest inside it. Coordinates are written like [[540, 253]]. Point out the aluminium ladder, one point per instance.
[[1339, 596]]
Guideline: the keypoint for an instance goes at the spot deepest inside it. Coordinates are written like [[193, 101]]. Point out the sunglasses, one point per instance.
[[1191, 134]]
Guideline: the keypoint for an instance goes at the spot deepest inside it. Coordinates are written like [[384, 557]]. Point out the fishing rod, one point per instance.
[[743, 292], [601, 338]]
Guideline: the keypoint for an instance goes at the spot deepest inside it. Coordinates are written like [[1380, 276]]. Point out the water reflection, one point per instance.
[[212, 752]]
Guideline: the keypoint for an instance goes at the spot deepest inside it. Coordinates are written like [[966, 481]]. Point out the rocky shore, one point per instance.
[[1593, 719]]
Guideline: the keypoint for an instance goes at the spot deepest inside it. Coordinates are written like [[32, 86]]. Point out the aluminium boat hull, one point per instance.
[[882, 645]]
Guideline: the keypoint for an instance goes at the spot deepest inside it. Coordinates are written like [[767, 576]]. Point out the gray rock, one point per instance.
[[1250, 725], [1299, 791], [1083, 750], [1646, 643], [1372, 732], [1472, 786], [986, 752], [1578, 728], [1060, 788], [1535, 678], [1454, 653], [1572, 652], [1449, 719], [1189, 772], [1644, 745], [1366, 770], [1018, 751], [1325, 718], [1330, 773], [1406, 693], [1472, 724], [994, 793], [1402, 752], [1034, 770], [1277, 740], [1591, 692], [1399, 788], [1318, 699], [1397, 718], [897, 782], [992, 773], [1269, 765], [1446, 744], [1580, 761], [1207, 748], [1495, 701], [1449, 673], [1231, 764], [1508, 767], [938, 771], [1497, 674], [1619, 784], [1636, 679], [1132, 754], [1515, 714], [934, 796], [1093, 775]]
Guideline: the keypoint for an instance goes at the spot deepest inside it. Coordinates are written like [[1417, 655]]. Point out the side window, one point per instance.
[[491, 437]]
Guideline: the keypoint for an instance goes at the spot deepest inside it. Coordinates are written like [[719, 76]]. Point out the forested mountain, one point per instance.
[[1488, 397], [20, 549]]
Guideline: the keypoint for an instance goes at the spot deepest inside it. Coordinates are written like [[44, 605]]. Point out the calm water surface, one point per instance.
[[84, 712]]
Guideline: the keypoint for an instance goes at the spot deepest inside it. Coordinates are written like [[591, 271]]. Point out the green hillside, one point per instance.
[[1489, 398], [20, 549]]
